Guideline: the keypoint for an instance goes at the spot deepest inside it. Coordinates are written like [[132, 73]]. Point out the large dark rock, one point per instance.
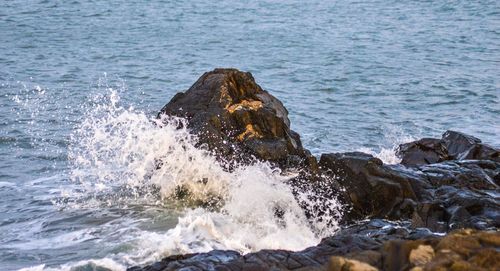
[[452, 146], [442, 184], [372, 189], [441, 197], [459, 194], [423, 151], [236, 119]]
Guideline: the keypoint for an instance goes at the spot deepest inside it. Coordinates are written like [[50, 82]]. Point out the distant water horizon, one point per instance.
[[80, 82]]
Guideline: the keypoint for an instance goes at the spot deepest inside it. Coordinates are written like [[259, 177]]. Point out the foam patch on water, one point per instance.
[[121, 154], [93, 264], [60, 241], [7, 184]]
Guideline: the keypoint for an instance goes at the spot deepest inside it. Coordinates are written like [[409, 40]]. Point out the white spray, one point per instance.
[[118, 148]]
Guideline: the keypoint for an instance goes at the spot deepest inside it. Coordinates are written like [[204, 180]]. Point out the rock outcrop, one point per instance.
[[374, 245], [441, 197], [441, 185], [437, 184], [236, 119], [372, 189], [452, 146]]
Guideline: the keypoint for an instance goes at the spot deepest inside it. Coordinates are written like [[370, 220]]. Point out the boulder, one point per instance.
[[452, 146], [461, 146], [237, 120], [423, 151], [371, 188]]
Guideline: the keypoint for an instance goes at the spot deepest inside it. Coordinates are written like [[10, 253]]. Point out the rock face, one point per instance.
[[371, 188], [374, 245], [441, 197], [452, 146], [236, 119]]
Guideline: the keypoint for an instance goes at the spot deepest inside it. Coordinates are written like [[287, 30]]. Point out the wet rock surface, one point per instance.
[[236, 119], [357, 238], [452, 146], [441, 197], [373, 245], [441, 185]]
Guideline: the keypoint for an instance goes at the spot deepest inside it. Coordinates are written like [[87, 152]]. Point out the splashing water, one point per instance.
[[394, 136], [121, 155]]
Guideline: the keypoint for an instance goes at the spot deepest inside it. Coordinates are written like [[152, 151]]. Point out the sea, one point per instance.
[[82, 81]]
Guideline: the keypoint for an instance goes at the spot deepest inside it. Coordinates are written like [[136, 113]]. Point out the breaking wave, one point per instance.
[[121, 156]]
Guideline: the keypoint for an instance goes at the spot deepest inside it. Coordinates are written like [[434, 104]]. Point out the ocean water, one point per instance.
[[81, 80]]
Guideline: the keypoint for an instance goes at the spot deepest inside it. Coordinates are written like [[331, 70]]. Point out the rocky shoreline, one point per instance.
[[369, 246], [448, 186]]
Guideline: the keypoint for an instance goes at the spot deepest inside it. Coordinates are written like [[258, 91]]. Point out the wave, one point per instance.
[[394, 136], [121, 155], [93, 264]]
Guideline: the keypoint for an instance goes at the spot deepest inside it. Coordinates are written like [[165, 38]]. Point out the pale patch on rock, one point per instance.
[[245, 105], [340, 264], [421, 255], [249, 133]]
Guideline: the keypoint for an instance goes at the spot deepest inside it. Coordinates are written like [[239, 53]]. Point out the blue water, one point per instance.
[[354, 75]]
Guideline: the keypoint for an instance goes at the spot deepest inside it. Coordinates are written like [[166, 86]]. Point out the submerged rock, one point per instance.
[[236, 119], [452, 146]]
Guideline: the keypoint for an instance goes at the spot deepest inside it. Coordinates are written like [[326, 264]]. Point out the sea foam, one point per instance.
[[121, 155]]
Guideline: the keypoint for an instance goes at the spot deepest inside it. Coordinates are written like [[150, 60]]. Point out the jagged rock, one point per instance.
[[466, 250], [441, 197], [373, 190], [236, 119], [459, 194], [459, 250], [201, 261], [373, 245], [356, 242], [423, 151], [452, 146]]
